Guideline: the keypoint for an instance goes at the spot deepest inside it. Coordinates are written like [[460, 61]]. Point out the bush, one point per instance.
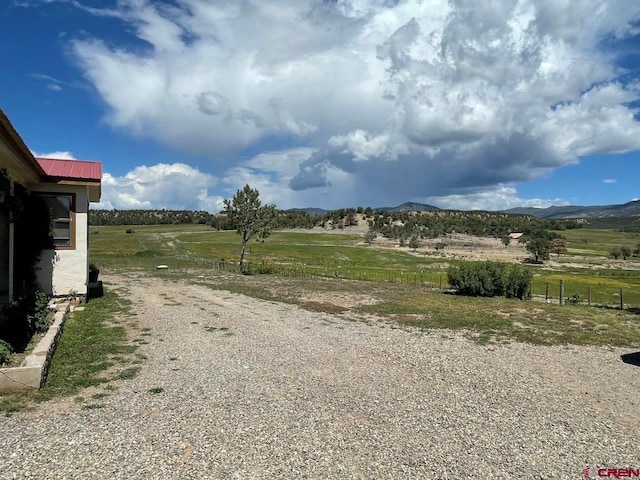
[[265, 267], [616, 252], [38, 320], [14, 326], [574, 299], [491, 279], [5, 353], [23, 318]]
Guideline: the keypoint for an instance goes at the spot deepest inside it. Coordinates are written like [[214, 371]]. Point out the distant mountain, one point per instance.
[[310, 211], [405, 207], [630, 209], [408, 207]]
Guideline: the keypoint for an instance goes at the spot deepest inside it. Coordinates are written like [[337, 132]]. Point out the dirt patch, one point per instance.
[[344, 300]]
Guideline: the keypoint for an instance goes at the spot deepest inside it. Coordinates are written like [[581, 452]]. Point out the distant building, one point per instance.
[[515, 236]]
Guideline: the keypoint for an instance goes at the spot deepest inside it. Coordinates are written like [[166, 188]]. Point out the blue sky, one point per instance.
[[461, 104]]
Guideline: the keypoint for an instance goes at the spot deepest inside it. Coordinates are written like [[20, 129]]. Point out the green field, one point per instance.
[[345, 256], [598, 243], [408, 282], [330, 255]]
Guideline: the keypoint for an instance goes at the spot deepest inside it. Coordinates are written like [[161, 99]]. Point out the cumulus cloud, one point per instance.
[[393, 100], [176, 187], [502, 197], [60, 155]]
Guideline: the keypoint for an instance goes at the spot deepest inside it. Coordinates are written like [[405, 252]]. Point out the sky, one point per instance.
[[331, 104]]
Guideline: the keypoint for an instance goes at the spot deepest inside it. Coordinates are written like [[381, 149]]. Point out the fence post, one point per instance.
[[546, 293], [440, 281], [561, 292], [621, 300]]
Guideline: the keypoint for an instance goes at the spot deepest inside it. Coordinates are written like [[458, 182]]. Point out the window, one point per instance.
[[61, 215]]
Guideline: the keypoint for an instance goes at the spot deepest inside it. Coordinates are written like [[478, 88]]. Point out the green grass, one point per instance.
[[482, 319], [304, 254], [587, 242], [302, 257], [604, 286], [183, 247], [91, 340], [93, 346], [499, 319]]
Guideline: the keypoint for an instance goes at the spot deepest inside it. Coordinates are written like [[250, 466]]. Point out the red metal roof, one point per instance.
[[71, 169]]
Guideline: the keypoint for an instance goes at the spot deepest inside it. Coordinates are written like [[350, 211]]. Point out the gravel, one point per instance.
[[236, 387]]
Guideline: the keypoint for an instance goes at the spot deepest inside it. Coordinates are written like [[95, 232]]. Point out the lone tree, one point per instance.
[[558, 246], [370, 236], [539, 247], [414, 243], [249, 217]]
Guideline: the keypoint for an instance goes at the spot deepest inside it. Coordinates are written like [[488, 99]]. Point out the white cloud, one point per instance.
[[392, 100], [61, 155], [609, 181], [501, 198], [362, 145], [175, 187]]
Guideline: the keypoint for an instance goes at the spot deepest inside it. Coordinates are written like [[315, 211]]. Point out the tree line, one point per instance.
[[149, 217], [393, 225]]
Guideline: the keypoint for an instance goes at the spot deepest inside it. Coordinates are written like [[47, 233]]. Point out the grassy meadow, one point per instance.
[[407, 284], [322, 254]]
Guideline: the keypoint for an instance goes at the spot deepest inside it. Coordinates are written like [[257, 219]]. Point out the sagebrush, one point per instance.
[[491, 279]]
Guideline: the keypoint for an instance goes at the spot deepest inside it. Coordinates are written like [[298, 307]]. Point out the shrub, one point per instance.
[[491, 279], [38, 320], [616, 252], [574, 299], [14, 327], [5, 352], [264, 267], [21, 319]]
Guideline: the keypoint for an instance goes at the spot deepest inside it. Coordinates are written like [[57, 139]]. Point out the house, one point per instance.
[[65, 187]]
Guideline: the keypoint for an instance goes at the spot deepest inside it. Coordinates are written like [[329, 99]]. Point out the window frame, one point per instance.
[[72, 218]]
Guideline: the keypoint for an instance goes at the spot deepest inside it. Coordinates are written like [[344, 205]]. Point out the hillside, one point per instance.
[[405, 207], [630, 209], [408, 207], [614, 215]]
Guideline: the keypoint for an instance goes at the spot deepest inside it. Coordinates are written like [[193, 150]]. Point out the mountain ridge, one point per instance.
[[629, 209]]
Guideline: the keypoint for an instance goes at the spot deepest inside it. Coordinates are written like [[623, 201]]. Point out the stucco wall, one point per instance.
[[62, 271]]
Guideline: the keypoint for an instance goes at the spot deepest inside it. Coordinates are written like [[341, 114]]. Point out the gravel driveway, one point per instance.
[[256, 389]]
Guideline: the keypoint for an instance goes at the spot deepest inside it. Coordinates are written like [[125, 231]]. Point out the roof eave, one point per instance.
[[95, 186], [19, 161]]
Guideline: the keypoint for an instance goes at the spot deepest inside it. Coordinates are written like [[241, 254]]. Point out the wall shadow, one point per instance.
[[46, 266], [631, 358]]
